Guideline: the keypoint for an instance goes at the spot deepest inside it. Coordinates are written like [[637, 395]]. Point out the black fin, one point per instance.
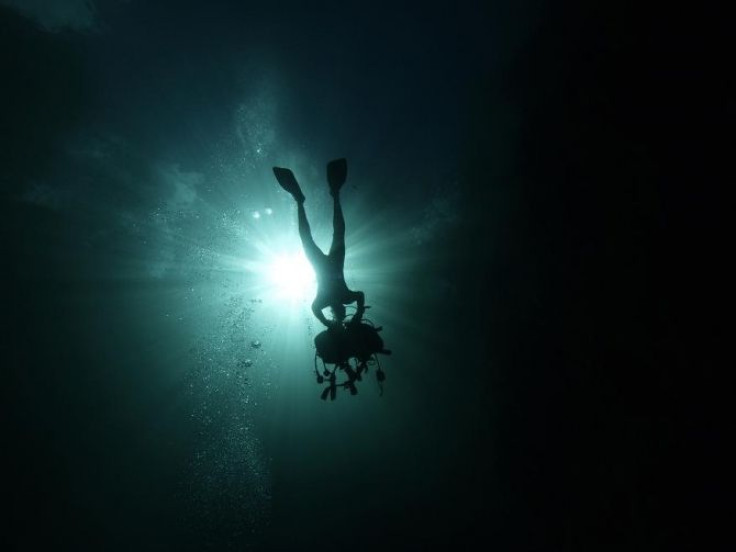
[[337, 172], [288, 182]]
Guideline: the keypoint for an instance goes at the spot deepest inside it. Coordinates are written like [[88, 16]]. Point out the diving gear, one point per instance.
[[288, 182], [337, 172], [352, 350]]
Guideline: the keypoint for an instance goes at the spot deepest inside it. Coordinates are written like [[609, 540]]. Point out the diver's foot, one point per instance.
[[287, 181], [337, 172]]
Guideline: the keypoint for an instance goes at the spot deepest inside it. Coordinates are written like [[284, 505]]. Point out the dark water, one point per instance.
[[530, 191]]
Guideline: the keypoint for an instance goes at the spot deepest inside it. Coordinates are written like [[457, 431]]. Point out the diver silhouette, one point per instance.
[[332, 291]]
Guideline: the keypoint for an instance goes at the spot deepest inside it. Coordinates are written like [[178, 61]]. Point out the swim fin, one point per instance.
[[288, 182], [337, 172]]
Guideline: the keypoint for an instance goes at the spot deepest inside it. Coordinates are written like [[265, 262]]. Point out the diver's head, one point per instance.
[[338, 312]]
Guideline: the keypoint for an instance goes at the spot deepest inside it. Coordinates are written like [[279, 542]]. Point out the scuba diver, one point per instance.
[[331, 288], [351, 346]]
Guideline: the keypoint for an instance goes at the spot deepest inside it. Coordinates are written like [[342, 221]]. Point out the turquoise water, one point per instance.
[[165, 393], [515, 216]]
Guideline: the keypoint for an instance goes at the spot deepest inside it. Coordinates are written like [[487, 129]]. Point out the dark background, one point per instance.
[[577, 401]]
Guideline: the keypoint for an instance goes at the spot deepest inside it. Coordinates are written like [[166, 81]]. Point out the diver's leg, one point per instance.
[[288, 182], [337, 249], [313, 253]]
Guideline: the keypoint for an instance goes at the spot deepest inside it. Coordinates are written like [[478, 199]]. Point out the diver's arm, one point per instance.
[[318, 313], [360, 299]]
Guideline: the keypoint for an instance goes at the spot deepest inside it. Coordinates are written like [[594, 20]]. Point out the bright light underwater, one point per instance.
[[291, 277]]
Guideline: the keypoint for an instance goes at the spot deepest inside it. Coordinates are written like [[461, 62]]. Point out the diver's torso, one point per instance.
[[331, 285]]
